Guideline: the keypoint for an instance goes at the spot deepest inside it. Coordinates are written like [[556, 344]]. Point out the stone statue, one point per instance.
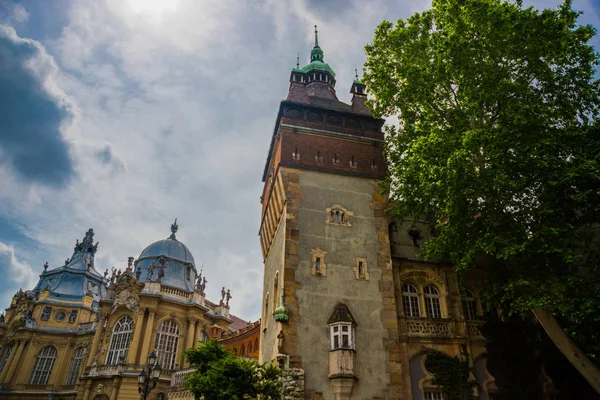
[[113, 276], [151, 269], [67, 261], [222, 302], [129, 264], [138, 272], [46, 266], [198, 283], [203, 286], [160, 270], [2, 318], [105, 273], [227, 297]]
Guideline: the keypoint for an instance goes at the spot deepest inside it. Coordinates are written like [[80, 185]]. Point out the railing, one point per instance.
[[174, 292], [36, 387], [474, 328], [106, 370], [178, 378], [429, 327]]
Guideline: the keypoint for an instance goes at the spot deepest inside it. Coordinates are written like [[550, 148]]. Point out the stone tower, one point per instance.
[[329, 310]]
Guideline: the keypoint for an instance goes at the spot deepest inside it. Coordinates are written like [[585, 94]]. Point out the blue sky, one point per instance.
[[130, 113]]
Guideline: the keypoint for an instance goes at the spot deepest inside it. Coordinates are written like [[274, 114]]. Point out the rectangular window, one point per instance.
[[469, 309], [432, 304], [411, 305], [318, 265], [46, 313], [336, 337], [345, 337]]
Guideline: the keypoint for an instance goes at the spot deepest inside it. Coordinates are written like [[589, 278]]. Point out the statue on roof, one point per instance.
[[129, 264], [160, 269], [46, 266], [174, 229], [223, 293], [227, 298], [138, 272]]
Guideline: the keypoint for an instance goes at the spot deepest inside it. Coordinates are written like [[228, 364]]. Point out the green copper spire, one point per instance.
[[281, 313], [356, 80], [316, 54]]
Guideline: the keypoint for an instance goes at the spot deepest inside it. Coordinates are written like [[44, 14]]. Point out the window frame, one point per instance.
[[40, 374], [167, 344], [75, 367], [469, 306], [337, 332], [433, 302], [5, 356], [120, 340], [410, 300]]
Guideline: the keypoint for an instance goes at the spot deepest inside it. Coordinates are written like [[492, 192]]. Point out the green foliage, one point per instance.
[[452, 375], [221, 375], [498, 145]]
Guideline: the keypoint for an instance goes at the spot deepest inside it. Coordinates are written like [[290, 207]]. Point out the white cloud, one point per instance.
[[174, 111], [17, 273]]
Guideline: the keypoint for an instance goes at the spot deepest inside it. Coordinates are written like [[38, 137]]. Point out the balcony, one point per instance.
[[474, 329], [426, 327]]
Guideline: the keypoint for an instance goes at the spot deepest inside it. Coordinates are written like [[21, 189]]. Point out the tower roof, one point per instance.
[[316, 58]]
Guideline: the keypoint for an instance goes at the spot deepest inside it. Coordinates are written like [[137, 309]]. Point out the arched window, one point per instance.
[[256, 345], [119, 341], [249, 347], [5, 357], [166, 344], [410, 300], [432, 302], [243, 351], [469, 305], [75, 366], [43, 366]]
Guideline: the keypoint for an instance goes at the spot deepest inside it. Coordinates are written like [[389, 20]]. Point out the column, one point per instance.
[[135, 343], [189, 339], [88, 389], [8, 365], [13, 368], [147, 338], [57, 371], [115, 391], [95, 343]]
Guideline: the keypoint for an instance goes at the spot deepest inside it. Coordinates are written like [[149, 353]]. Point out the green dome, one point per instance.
[[319, 66]]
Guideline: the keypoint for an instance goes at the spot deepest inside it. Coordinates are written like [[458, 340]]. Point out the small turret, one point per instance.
[[359, 95]]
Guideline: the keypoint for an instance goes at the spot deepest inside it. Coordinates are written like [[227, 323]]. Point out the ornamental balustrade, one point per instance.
[[474, 328], [178, 377], [429, 327]]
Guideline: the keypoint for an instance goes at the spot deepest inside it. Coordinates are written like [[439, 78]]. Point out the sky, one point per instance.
[[122, 115]]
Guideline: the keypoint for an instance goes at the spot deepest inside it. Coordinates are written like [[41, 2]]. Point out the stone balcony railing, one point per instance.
[[474, 329], [87, 326], [178, 378], [106, 370], [430, 327]]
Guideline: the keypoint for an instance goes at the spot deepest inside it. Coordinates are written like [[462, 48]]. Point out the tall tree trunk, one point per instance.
[[566, 346]]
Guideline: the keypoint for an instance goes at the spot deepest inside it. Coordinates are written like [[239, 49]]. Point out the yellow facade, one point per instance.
[[57, 343]]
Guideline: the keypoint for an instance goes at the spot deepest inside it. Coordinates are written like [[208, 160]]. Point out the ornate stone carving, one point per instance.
[[422, 277], [127, 292], [421, 327]]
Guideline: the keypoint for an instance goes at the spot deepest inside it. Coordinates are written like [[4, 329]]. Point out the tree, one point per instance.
[[498, 146], [221, 375]]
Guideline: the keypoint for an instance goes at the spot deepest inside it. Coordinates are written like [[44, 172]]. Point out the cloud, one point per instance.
[[17, 274], [175, 106], [33, 112]]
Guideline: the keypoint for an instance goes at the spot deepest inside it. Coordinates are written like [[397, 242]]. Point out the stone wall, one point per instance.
[[292, 384]]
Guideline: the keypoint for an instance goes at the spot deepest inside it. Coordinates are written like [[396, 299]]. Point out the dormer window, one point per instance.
[[342, 336], [46, 313], [341, 328]]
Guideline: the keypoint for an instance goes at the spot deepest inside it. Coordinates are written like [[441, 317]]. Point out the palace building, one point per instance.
[[349, 309], [84, 335]]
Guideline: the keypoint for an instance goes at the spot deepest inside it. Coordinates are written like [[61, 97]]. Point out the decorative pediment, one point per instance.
[[127, 292], [422, 278]]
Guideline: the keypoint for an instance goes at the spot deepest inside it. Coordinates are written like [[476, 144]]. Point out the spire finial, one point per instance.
[[355, 72], [298, 60], [174, 228], [316, 37]]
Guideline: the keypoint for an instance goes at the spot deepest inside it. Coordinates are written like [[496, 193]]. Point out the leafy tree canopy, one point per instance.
[[221, 375], [452, 374], [498, 146]]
